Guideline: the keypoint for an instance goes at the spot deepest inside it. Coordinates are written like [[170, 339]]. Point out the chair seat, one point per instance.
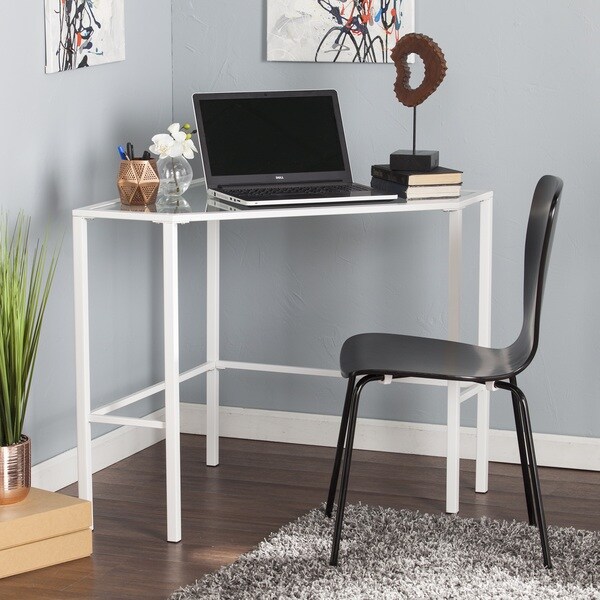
[[409, 356]]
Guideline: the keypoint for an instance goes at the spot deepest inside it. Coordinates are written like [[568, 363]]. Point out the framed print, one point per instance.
[[84, 33], [355, 31]]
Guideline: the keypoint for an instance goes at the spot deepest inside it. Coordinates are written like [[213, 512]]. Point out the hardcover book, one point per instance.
[[416, 192], [44, 529], [438, 176]]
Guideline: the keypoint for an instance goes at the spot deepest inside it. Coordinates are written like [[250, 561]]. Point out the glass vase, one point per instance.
[[175, 177]]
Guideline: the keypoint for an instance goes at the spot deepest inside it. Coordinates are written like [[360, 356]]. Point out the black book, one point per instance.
[[438, 176]]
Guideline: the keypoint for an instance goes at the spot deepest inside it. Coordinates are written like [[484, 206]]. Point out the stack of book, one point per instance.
[[44, 529], [440, 182]]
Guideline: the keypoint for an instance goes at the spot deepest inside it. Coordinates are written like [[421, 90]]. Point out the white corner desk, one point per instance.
[[170, 223]]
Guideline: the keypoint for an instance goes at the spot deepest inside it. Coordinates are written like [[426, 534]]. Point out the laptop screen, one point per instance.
[[270, 135]]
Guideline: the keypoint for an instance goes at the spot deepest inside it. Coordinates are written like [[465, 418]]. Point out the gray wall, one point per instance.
[[60, 134], [519, 100]]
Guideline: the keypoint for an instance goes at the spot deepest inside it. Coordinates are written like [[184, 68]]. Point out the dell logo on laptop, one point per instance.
[[279, 177]]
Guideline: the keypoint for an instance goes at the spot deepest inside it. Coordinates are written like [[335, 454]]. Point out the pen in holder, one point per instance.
[[138, 182]]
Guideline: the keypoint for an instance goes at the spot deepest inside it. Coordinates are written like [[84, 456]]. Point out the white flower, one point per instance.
[[178, 138], [173, 144], [162, 145], [173, 129], [189, 148]]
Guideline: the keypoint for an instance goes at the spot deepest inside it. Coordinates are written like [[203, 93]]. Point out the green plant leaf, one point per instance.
[[25, 283]]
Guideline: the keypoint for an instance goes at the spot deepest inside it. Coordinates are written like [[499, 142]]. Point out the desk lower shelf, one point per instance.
[[102, 414]]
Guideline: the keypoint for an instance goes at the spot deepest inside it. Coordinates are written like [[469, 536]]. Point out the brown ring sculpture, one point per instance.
[[435, 68]]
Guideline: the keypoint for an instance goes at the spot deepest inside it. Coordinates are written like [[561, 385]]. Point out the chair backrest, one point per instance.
[[538, 244]]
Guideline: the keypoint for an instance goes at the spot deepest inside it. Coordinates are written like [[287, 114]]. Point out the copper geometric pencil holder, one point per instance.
[[138, 182]]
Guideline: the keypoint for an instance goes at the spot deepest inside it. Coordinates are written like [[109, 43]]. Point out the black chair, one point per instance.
[[371, 356]]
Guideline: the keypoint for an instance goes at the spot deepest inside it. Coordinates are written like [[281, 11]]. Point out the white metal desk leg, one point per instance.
[[453, 422], [82, 358], [212, 341], [171, 342], [484, 339]]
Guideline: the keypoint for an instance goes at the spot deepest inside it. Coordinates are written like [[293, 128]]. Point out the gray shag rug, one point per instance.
[[389, 554]]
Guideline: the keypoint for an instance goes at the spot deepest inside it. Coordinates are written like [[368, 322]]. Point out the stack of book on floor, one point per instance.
[[44, 529], [440, 182]]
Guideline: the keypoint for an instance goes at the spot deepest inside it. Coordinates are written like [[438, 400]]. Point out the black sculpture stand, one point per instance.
[[409, 160], [414, 160]]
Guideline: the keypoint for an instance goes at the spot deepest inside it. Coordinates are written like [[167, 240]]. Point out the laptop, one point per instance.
[[277, 148]]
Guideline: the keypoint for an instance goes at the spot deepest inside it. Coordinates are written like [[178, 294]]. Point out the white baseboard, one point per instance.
[[61, 470], [561, 451]]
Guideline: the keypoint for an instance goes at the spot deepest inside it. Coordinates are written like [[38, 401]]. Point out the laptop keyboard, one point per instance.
[[299, 190]]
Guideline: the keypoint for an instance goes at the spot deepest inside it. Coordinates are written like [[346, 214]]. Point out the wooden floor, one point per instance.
[[259, 487]]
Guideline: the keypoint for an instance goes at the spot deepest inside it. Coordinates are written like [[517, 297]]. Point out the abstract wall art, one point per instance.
[[355, 31], [84, 33]]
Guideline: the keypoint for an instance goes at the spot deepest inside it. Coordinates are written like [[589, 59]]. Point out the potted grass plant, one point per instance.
[[25, 282]]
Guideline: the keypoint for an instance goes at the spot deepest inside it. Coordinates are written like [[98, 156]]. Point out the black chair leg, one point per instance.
[[339, 518], [340, 446], [535, 481], [533, 470], [531, 513]]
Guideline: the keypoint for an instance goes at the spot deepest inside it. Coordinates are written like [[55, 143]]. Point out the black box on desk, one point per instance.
[[421, 160]]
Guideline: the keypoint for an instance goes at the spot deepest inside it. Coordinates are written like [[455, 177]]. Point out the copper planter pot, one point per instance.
[[15, 471]]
